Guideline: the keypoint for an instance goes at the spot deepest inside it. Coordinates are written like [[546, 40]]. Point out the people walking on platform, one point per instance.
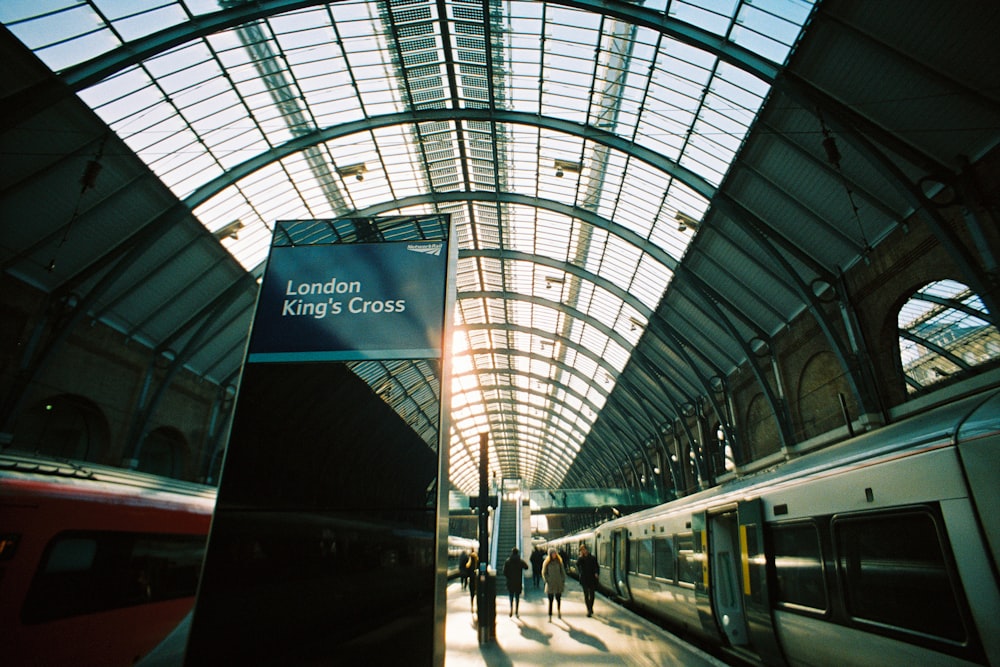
[[472, 565], [513, 568], [554, 573], [537, 558], [463, 569], [587, 568]]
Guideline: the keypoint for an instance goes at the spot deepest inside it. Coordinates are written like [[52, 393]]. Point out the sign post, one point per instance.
[[486, 598], [325, 544]]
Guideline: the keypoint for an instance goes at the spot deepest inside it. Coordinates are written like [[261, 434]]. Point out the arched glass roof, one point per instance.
[[577, 145]]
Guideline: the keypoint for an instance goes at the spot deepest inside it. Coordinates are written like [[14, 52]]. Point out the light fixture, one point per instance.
[[553, 280], [685, 221], [230, 231], [562, 166], [356, 170], [759, 346]]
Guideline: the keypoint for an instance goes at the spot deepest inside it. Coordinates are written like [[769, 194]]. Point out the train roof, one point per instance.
[[82, 476], [962, 419]]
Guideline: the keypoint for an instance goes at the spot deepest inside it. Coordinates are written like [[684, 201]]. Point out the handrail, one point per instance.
[[519, 527], [495, 536]]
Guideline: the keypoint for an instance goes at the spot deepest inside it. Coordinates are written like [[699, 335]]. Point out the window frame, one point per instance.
[[671, 549], [828, 595], [895, 630]]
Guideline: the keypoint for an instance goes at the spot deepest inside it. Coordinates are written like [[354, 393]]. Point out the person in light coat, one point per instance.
[[554, 574]]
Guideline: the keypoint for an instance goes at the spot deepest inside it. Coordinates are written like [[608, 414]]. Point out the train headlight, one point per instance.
[[8, 545]]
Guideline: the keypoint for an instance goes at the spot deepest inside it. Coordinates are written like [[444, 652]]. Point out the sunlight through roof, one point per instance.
[[566, 141]]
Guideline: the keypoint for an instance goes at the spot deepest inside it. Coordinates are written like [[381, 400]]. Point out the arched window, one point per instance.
[[65, 426], [163, 453], [944, 334]]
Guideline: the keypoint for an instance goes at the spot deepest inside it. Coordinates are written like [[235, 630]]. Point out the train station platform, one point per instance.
[[612, 636]]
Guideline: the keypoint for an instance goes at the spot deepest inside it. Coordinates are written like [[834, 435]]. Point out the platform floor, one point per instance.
[[612, 636]]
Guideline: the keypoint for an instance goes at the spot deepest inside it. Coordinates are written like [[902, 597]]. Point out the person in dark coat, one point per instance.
[[537, 558], [463, 569], [512, 569], [587, 568], [473, 567]]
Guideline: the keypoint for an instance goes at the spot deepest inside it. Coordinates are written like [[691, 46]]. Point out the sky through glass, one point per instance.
[[563, 141]]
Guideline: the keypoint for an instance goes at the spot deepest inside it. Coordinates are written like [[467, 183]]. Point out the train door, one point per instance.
[[726, 590], [703, 600], [619, 547], [756, 594]]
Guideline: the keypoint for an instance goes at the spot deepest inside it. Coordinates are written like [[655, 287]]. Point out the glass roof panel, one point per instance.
[[769, 27], [327, 110], [62, 34]]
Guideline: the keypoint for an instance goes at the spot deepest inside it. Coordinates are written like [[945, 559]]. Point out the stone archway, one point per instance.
[[761, 429], [64, 426], [164, 453], [821, 384]]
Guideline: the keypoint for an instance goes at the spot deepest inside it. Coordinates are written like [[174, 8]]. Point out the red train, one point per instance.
[[97, 565]]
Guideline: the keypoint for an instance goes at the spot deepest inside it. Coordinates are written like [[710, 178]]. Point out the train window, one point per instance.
[[604, 554], [72, 555], [798, 566], [663, 558], [633, 557], [895, 573], [84, 573], [645, 549], [688, 563]]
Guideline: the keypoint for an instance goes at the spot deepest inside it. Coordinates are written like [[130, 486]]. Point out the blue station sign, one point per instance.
[[352, 301]]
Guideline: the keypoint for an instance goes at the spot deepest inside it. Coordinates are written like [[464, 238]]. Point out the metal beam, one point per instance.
[[598, 135]]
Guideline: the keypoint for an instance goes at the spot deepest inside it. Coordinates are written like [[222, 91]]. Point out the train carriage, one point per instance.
[[97, 565], [880, 550]]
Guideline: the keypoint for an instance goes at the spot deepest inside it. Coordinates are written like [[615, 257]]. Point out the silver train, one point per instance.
[[882, 550]]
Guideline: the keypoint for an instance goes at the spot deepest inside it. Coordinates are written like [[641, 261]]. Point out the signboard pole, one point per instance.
[[486, 599], [326, 543]]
